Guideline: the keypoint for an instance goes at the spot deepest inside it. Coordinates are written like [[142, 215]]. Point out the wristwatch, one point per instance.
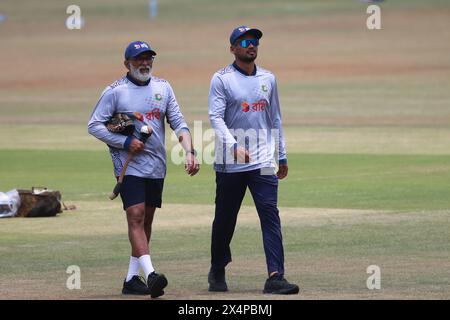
[[193, 151]]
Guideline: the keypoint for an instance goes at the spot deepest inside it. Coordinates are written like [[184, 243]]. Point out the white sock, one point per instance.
[[146, 264], [133, 268]]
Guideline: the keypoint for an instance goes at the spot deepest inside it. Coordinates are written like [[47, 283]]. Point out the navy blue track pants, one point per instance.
[[230, 190]]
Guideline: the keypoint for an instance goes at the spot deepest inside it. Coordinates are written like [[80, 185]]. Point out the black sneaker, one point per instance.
[[136, 285], [156, 283], [216, 280], [277, 284]]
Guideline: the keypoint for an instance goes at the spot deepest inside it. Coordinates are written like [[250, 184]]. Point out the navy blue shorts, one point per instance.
[[136, 190]]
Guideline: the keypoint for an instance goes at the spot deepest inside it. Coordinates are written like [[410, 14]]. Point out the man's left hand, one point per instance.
[[282, 171], [192, 166]]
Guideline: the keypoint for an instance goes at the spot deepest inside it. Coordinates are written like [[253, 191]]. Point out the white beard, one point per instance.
[[135, 73]]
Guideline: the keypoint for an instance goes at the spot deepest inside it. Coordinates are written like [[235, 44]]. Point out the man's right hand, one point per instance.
[[136, 146], [241, 155]]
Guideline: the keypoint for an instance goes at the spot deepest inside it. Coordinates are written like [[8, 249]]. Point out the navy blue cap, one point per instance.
[[240, 31], [136, 48]]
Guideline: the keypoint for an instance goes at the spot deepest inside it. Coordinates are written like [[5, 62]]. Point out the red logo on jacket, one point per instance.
[[245, 106], [154, 114], [259, 105]]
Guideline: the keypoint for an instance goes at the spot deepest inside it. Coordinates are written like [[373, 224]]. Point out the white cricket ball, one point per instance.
[[146, 129]]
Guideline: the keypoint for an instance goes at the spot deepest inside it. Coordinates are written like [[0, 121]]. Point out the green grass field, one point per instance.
[[367, 123], [354, 181]]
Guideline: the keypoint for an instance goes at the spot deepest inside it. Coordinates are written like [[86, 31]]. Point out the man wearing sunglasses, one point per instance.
[[245, 113], [150, 101]]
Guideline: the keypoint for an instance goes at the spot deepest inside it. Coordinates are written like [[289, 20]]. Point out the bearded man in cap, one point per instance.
[[138, 92]]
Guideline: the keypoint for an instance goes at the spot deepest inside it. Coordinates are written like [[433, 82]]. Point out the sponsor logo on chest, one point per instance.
[[258, 106], [154, 113]]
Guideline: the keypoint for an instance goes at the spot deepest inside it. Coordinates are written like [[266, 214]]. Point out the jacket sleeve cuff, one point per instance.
[[282, 161]]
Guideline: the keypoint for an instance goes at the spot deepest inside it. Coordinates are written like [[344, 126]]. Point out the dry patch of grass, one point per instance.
[[94, 236]]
